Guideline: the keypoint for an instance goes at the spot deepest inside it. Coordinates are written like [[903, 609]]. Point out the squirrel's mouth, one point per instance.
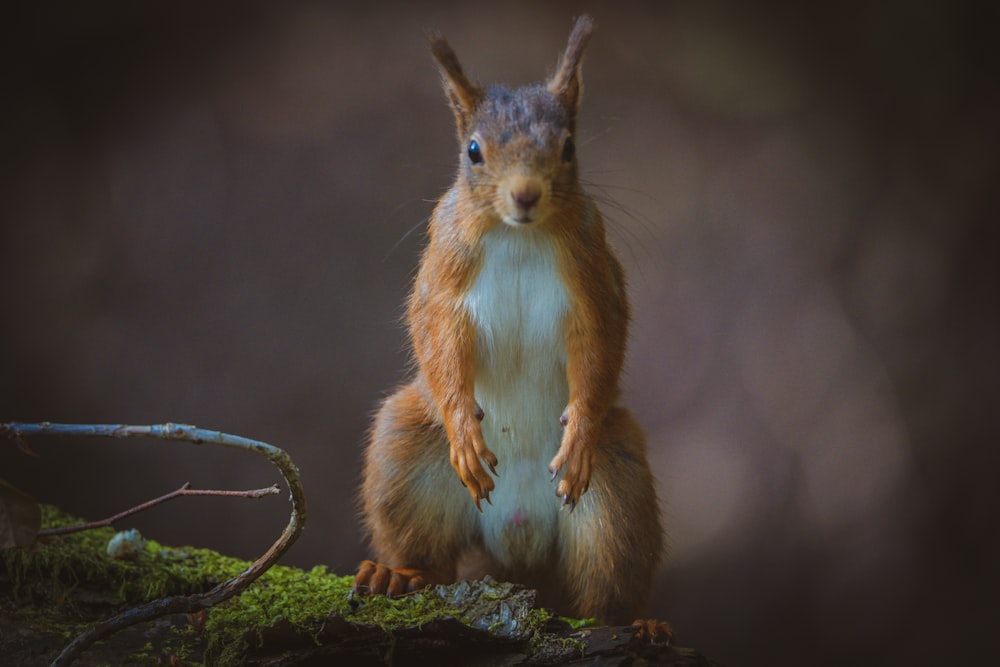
[[519, 220]]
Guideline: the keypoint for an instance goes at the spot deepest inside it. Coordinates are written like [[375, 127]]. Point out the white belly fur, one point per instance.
[[519, 304]]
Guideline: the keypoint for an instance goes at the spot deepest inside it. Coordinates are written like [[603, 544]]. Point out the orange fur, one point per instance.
[[519, 303]]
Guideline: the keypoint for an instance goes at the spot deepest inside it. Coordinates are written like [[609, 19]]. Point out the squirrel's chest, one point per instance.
[[518, 304]]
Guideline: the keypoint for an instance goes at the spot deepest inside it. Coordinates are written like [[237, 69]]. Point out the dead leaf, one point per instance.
[[24, 447], [20, 517]]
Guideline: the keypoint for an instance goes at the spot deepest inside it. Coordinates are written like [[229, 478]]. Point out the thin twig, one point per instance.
[[179, 603], [185, 490]]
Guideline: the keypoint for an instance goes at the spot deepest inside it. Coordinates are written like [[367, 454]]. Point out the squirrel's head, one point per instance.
[[517, 146]]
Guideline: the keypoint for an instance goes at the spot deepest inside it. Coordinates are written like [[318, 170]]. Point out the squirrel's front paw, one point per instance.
[[578, 460], [378, 579], [467, 459]]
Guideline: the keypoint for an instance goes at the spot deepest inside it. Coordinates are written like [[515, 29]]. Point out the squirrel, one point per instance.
[[518, 319]]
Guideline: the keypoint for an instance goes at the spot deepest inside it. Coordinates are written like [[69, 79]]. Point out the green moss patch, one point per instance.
[[67, 569], [63, 584]]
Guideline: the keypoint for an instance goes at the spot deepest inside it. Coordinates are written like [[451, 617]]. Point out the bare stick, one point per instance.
[[179, 603], [185, 490]]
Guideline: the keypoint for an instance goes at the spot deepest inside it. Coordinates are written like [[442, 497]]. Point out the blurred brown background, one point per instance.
[[211, 213]]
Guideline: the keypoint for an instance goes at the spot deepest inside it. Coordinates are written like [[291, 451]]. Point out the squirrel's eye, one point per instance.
[[475, 153], [569, 150]]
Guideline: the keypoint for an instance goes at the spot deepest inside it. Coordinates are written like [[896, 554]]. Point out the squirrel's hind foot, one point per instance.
[[378, 579], [653, 632]]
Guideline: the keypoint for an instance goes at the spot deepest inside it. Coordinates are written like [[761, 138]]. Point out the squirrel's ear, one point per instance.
[[463, 94], [566, 83]]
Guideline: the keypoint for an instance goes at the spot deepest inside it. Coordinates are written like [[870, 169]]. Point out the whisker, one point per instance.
[[591, 137], [648, 240], [405, 236]]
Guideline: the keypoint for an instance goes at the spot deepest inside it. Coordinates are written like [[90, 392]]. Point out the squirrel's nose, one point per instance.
[[526, 197]]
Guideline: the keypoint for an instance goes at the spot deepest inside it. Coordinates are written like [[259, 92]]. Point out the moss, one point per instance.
[[283, 596], [292, 602], [544, 646], [61, 585], [579, 623], [548, 648], [61, 565], [54, 586]]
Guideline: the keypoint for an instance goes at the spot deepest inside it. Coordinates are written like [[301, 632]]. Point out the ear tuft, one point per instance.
[[462, 93], [566, 83]]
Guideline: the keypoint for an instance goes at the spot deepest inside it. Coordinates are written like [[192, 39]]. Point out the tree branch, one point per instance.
[[179, 603], [184, 490]]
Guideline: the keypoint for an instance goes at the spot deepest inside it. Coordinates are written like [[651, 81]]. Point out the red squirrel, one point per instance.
[[518, 319]]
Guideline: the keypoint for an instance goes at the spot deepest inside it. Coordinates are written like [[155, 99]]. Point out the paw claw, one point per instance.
[[378, 579], [653, 631], [417, 583]]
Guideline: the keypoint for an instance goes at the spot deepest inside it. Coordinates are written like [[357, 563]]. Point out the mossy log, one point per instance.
[[52, 591]]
